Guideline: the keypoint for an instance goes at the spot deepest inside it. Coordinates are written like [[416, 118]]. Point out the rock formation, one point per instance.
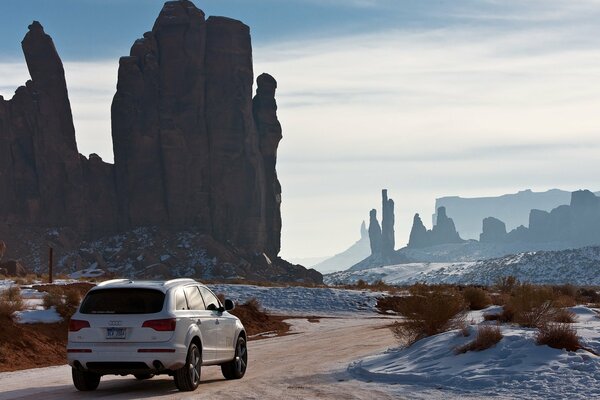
[[381, 238], [40, 171], [264, 108], [418, 234], [443, 231], [192, 148], [575, 225], [493, 230], [387, 224], [513, 209], [374, 233]]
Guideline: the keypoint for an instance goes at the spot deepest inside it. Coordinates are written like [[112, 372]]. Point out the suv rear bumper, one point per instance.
[[133, 358]]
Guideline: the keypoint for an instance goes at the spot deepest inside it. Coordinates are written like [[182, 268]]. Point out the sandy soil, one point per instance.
[[308, 365]]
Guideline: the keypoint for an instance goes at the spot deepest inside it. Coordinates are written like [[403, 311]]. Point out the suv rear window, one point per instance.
[[123, 301]]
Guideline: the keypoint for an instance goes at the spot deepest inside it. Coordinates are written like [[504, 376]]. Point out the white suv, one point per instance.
[[146, 328]]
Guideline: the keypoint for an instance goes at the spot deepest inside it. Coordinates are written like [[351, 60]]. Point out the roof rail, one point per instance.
[[114, 281], [182, 280]]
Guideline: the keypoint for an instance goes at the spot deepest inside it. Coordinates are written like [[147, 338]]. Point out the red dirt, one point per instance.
[[24, 346]]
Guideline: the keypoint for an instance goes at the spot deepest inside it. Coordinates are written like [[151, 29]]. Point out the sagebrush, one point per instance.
[[487, 336], [11, 301], [428, 310], [558, 336]]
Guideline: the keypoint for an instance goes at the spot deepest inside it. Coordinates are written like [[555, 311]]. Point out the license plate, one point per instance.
[[115, 333]]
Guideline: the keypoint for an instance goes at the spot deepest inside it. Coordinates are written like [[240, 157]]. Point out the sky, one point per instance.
[[423, 98]]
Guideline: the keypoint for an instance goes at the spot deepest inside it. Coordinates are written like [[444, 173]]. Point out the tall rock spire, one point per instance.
[[264, 108], [374, 233], [387, 224]]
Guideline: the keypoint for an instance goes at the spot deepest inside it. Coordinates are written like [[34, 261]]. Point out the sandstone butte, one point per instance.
[[192, 148]]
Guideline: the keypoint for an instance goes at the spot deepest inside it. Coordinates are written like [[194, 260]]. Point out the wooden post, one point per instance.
[[50, 262]]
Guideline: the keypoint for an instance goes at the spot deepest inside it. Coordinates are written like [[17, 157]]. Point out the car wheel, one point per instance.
[[85, 380], [141, 377], [236, 368], [187, 378]]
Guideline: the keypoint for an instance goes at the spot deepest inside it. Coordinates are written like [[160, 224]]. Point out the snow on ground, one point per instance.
[[302, 300], [516, 367], [577, 266], [91, 272], [48, 316]]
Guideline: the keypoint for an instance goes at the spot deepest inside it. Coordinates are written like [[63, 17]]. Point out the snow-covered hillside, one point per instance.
[[516, 367], [576, 266]]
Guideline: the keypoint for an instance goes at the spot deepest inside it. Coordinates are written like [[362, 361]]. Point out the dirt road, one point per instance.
[[308, 365]]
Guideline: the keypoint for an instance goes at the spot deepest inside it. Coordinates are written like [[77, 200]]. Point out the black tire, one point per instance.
[[236, 368], [85, 381], [141, 377], [187, 378]]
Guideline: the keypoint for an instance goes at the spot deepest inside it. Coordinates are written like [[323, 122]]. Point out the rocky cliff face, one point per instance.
[[192, 149], [40, 171]]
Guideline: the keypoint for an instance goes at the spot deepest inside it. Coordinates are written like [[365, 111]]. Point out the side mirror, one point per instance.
[[229, 305]]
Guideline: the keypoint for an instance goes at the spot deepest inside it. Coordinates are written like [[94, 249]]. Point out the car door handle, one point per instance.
[[217, 322], [199, 322]]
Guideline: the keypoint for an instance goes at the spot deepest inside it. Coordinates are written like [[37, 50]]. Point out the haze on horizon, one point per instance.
[[424, 98]]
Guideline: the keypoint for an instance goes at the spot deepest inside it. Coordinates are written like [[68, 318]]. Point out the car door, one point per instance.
[[225, 326], [206, 323]]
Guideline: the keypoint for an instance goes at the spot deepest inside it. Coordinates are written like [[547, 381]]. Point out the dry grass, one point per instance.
[[506, 284], [564, 316], [558, 336], [428, 310], [487, 336], [64, 298], [10, 301], [65, 304], [529, 306], [476, 298], [587, 296]]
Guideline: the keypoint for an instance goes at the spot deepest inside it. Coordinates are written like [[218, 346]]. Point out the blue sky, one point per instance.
[[425, 98]]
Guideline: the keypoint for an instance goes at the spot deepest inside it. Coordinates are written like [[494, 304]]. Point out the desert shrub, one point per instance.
[[566, 290], [487, 336], [476, 298], [565, 301], [11, 301], [499, 299], [564, 316], [558, 336], [506, 284], [530, 305], [64, 301], [429, 310], [588, 295]]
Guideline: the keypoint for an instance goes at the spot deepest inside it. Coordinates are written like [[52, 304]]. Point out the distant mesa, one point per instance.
[[575, 225], [442, 233], [513, 209], [193, 149]]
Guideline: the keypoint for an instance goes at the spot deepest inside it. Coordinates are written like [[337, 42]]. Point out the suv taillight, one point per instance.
[[77, 324], [161, 324]]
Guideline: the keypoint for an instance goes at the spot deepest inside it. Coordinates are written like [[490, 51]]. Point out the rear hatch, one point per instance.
[[122, 315]]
